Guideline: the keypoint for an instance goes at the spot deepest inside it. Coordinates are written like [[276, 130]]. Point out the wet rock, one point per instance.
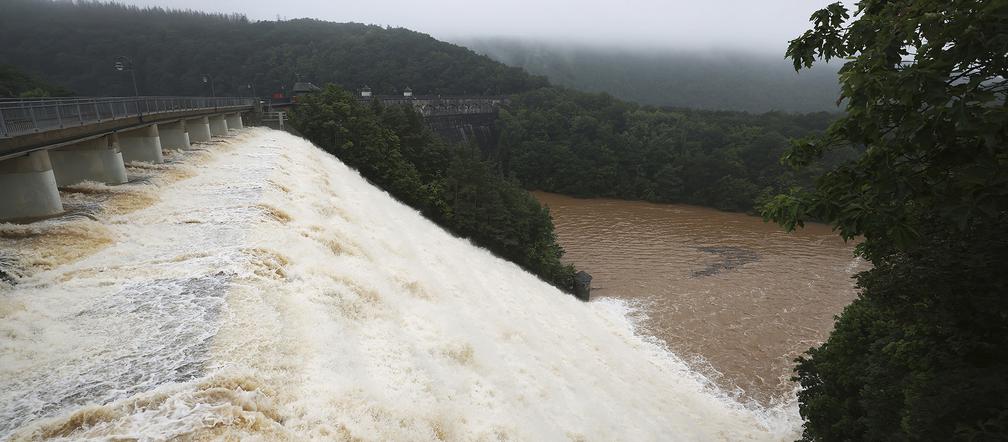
[[582, 286]]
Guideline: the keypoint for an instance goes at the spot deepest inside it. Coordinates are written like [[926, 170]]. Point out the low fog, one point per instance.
[[745, 25]]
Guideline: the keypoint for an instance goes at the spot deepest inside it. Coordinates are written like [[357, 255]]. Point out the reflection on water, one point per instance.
[[725, 288]]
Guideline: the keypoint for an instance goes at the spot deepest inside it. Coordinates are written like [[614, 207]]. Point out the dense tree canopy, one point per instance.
[[452, 185], [75, 44], [14, 84], [920, 354], [594, 145]]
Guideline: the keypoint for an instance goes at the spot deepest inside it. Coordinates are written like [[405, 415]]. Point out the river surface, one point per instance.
[[737, 297]]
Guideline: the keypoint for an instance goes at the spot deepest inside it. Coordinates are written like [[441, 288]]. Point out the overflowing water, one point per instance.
[[261, 289]]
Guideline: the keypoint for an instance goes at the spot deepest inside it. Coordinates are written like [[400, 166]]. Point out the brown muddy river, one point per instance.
[[737, 297]]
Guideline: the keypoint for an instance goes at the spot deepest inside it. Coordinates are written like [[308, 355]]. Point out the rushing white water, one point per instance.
[[264, 290]]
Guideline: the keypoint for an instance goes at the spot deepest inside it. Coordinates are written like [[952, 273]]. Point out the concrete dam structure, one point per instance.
[[263, 290], [457, 119], [50, 143]]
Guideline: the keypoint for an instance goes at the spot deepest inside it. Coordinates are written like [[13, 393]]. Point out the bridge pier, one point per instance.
[[92, 160], [143, 144], [173, 135], [199, 129], [29, 187], [234, 121], [218, 126]]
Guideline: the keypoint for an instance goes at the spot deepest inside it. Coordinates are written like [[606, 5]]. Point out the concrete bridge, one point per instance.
[[429, 106], [457, 119], [46, 143]]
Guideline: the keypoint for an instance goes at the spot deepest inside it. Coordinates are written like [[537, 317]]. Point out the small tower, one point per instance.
[[407, 92], [365, 91]]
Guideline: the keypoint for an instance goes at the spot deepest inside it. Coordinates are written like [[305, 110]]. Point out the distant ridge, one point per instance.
[[717, 80], [75, 45]]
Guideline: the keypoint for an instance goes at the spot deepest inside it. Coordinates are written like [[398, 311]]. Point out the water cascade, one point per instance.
[[258, 287]]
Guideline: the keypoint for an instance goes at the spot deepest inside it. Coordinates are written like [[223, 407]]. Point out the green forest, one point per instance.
[[449, 184], [592, 145], [17, 84], [914, 169], [75, 45]]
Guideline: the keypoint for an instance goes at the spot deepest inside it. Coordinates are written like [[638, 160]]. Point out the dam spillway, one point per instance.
[[257, 287]]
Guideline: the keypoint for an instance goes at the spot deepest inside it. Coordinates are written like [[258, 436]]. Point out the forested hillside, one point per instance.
[[552, 138], [75, 45], [714, 79], [588, 145]]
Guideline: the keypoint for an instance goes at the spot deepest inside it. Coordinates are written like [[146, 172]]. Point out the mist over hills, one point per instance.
[[718, 79], [75, 45]]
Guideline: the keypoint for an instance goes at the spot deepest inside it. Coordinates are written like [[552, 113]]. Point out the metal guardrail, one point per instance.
[[28, 116], [275, 117]]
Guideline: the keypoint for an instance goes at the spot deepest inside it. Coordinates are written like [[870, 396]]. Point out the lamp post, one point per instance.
[[124, 63], [252, 83], [210, 80]]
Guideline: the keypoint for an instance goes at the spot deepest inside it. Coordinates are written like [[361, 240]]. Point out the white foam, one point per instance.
[[345, 314]]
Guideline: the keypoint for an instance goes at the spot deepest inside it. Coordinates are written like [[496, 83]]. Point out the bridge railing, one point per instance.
[[27, 116]]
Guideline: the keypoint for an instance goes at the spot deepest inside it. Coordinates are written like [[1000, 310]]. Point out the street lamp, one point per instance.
[[126, 64], [251, 87], [209, 80]]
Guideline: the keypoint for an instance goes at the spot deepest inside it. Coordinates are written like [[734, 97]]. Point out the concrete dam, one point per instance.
[[252, 286]]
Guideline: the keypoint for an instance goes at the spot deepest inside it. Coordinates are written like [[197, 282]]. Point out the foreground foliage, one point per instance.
[[451, 185], [920, 355]]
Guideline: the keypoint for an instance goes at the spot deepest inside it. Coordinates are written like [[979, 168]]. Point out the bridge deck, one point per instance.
[[32, 124]]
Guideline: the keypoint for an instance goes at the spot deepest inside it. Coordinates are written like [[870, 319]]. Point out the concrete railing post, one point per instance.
[[29, 187]]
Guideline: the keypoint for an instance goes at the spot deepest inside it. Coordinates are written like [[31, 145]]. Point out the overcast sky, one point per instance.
[[763, 25]]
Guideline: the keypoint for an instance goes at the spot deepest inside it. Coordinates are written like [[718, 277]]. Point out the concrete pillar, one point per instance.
[[143, 144], [218, 126], [29, 187], [173, 135], [93, 160], [234, 121], [199, 130]]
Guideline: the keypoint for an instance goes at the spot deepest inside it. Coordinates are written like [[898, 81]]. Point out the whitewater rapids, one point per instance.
[[260, 289]]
